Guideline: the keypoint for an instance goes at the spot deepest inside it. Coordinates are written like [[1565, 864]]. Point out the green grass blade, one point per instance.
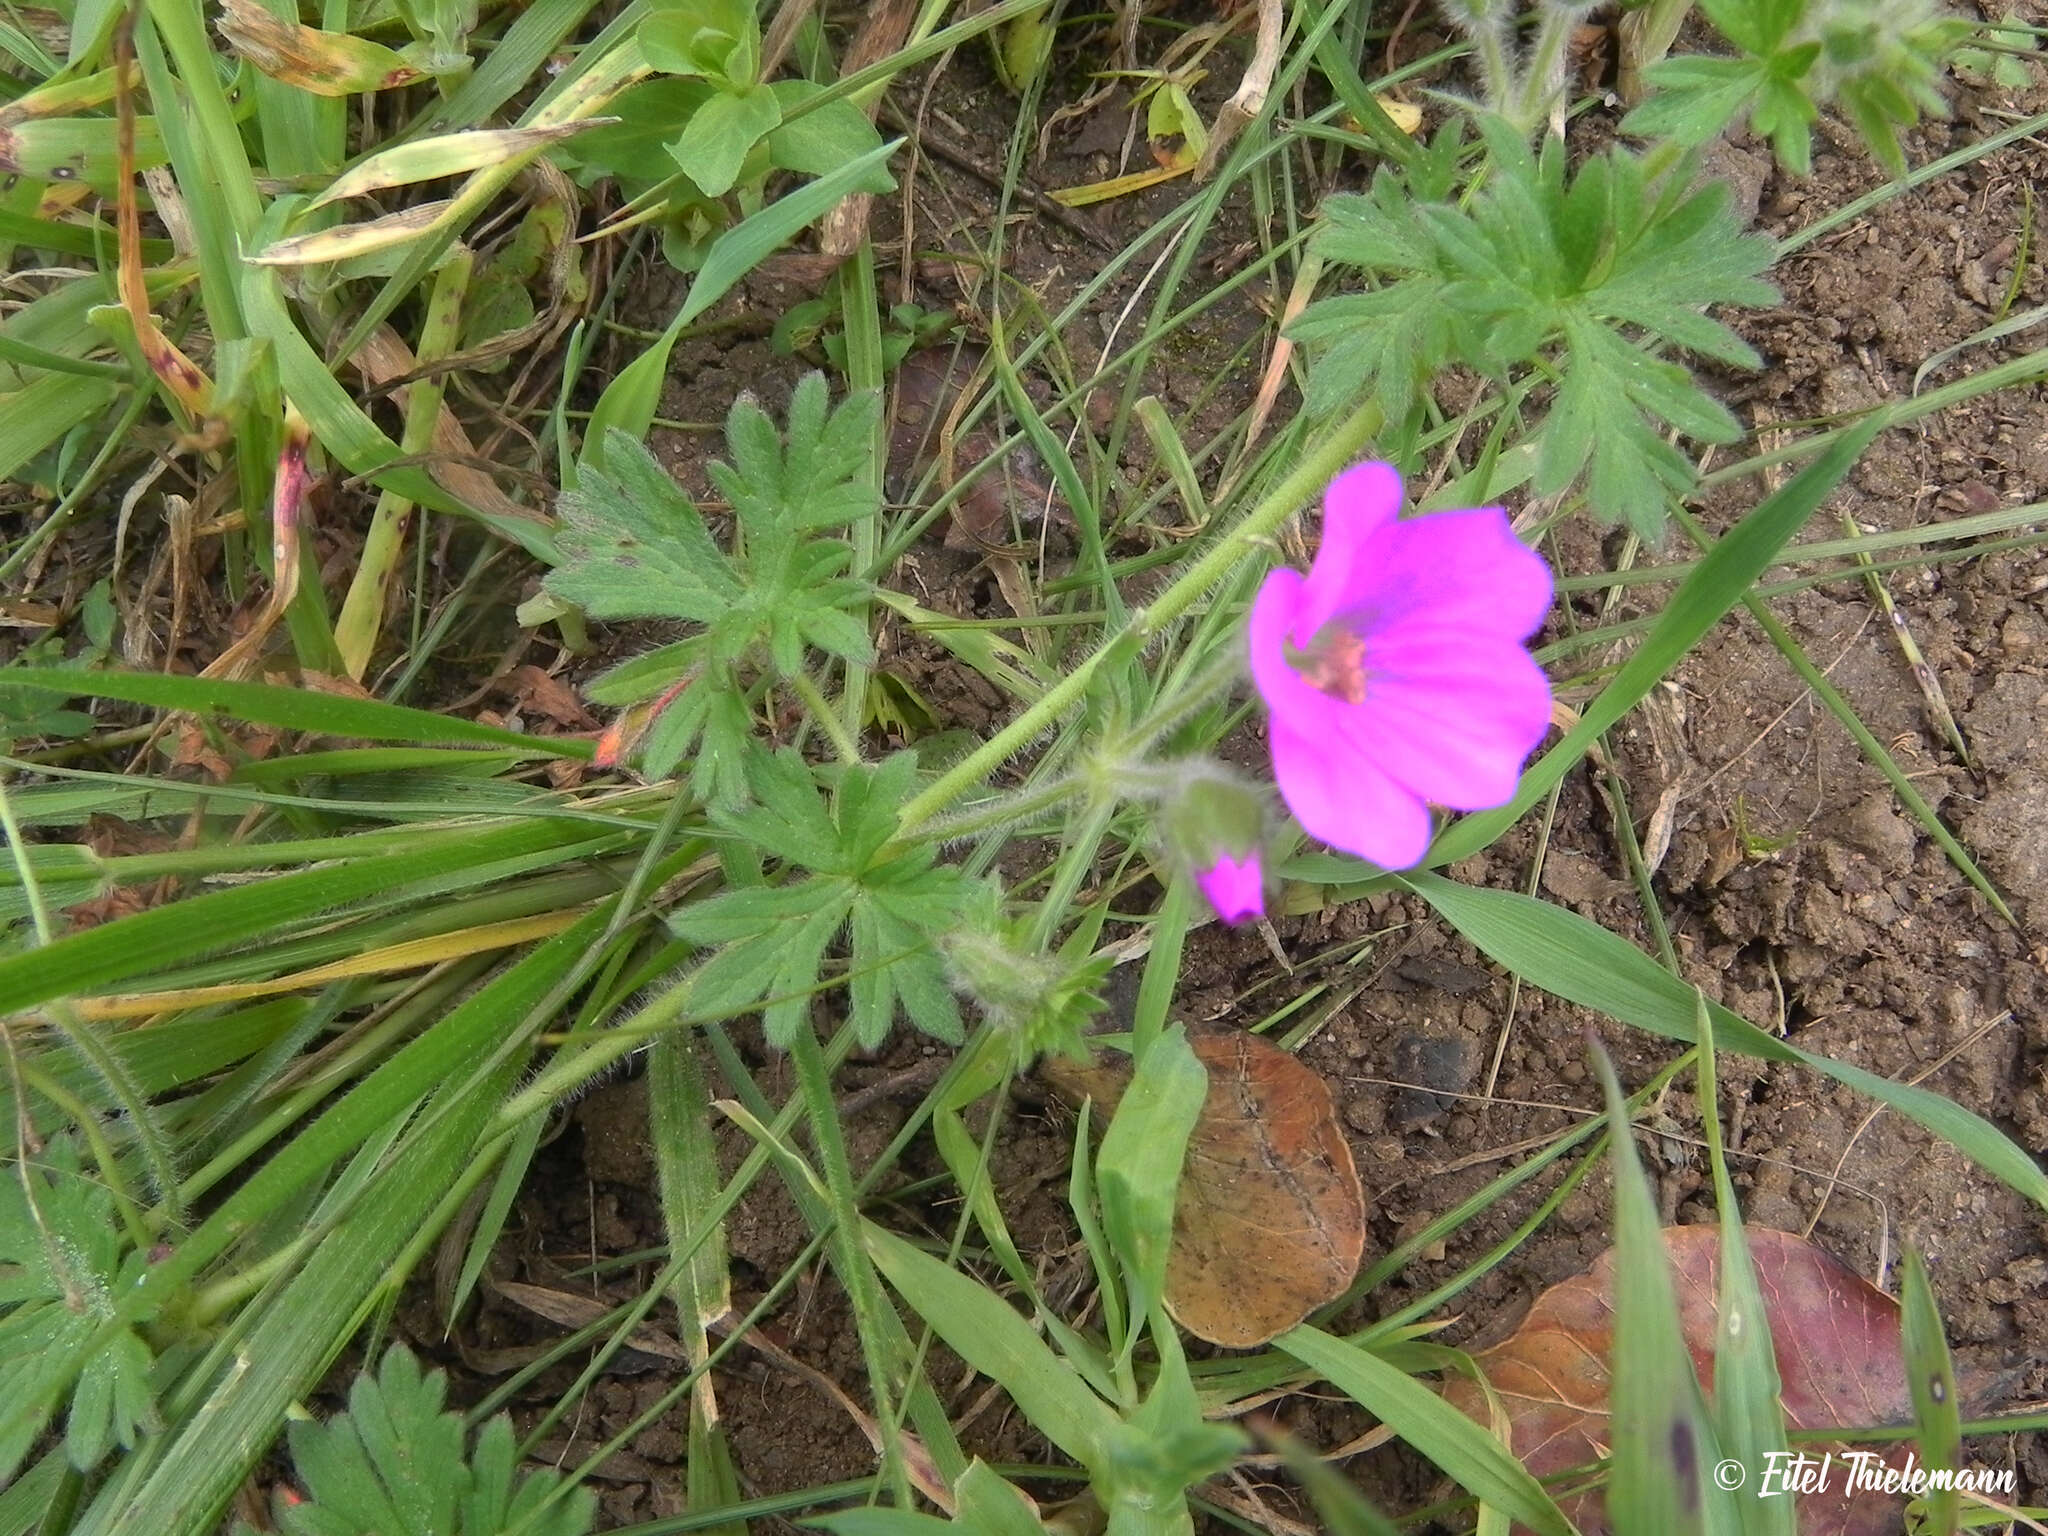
[[1343, 1508], [1455, 1443], [1716, 585], [295, 709], [490, 1223], [157, 940], [32, 419], [1747, 1413], [440, 1053], [883, 1522], [1583, 963], [298, 1334], [1662, 1443], [1931, 1374], [983, 1330], [1138, 1168], [1162, 965], [628, 401]]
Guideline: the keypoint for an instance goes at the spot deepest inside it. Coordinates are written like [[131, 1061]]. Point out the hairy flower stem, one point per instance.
[[1295, 491], [844, 747], [1182, 704], [1016, 809], [1495, 78], [1543, 70]]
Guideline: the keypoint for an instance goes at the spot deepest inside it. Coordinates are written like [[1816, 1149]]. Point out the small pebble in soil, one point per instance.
[[1431, 1062]]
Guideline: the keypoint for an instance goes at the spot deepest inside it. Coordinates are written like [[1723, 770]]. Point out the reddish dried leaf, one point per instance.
[[1837, 1342], [1270, 1220], [537, 693]]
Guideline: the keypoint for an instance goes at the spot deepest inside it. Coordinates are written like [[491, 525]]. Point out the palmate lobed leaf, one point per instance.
[[1583, 279], [775, 938], [61, 1264], [394, 1464], [633, 546]]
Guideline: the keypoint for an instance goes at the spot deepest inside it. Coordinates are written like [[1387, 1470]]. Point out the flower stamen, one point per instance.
[[1334, 664]]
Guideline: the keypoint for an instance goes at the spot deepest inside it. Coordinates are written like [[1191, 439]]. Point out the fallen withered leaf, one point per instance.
[[331, 684], [536, 693], [1270, 1220], [929, 386], [1837, 1342]]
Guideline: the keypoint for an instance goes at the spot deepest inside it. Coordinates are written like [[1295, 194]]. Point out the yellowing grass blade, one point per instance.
[[182, 379], [349, 240], [323, 63], [408, 956], [1119, 186], [452, 154]]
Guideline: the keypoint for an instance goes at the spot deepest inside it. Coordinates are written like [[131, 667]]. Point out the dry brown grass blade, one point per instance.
[[384, 358], [1250, 98], [323, 63], [1283, 348], [882, 31], [287, 511]]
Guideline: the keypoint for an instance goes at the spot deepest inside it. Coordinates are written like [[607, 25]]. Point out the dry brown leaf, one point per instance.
[[329, 683], [933, 389], [1839, 1362], [536, 693], [1270, 1221]]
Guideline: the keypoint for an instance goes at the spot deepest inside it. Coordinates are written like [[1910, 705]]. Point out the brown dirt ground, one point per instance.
[[1797, 891]]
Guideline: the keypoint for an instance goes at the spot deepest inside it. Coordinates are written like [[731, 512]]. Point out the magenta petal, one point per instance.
[[1270, 628], [1358, 508], [1345, 800], [1454, 719], [1464, 570], [1236, 888]]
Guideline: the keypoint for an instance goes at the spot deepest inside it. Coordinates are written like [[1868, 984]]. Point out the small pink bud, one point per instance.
[[1214, 824], [1236, 888]]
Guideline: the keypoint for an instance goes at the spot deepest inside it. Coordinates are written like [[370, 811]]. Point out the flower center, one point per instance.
[[1334, 664]]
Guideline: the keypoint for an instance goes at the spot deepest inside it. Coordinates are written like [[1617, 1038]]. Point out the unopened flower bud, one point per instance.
[[1236, 888], [1215, 824], [1042, 1002]]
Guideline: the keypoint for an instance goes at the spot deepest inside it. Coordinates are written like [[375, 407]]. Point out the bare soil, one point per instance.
[[1798, 890]]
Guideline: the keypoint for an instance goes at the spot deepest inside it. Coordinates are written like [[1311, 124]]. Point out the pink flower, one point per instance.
[[1236, 888], [1395, 672]]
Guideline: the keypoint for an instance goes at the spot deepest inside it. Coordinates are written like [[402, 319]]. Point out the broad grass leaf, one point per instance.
[[989, 1335], [1837, 1342], [1269, 1223], [297, 709], [1478, 1462], [1661, 1441], [1144, 1152], [1583, 963], [1746, 1384], [1931, 1377]]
